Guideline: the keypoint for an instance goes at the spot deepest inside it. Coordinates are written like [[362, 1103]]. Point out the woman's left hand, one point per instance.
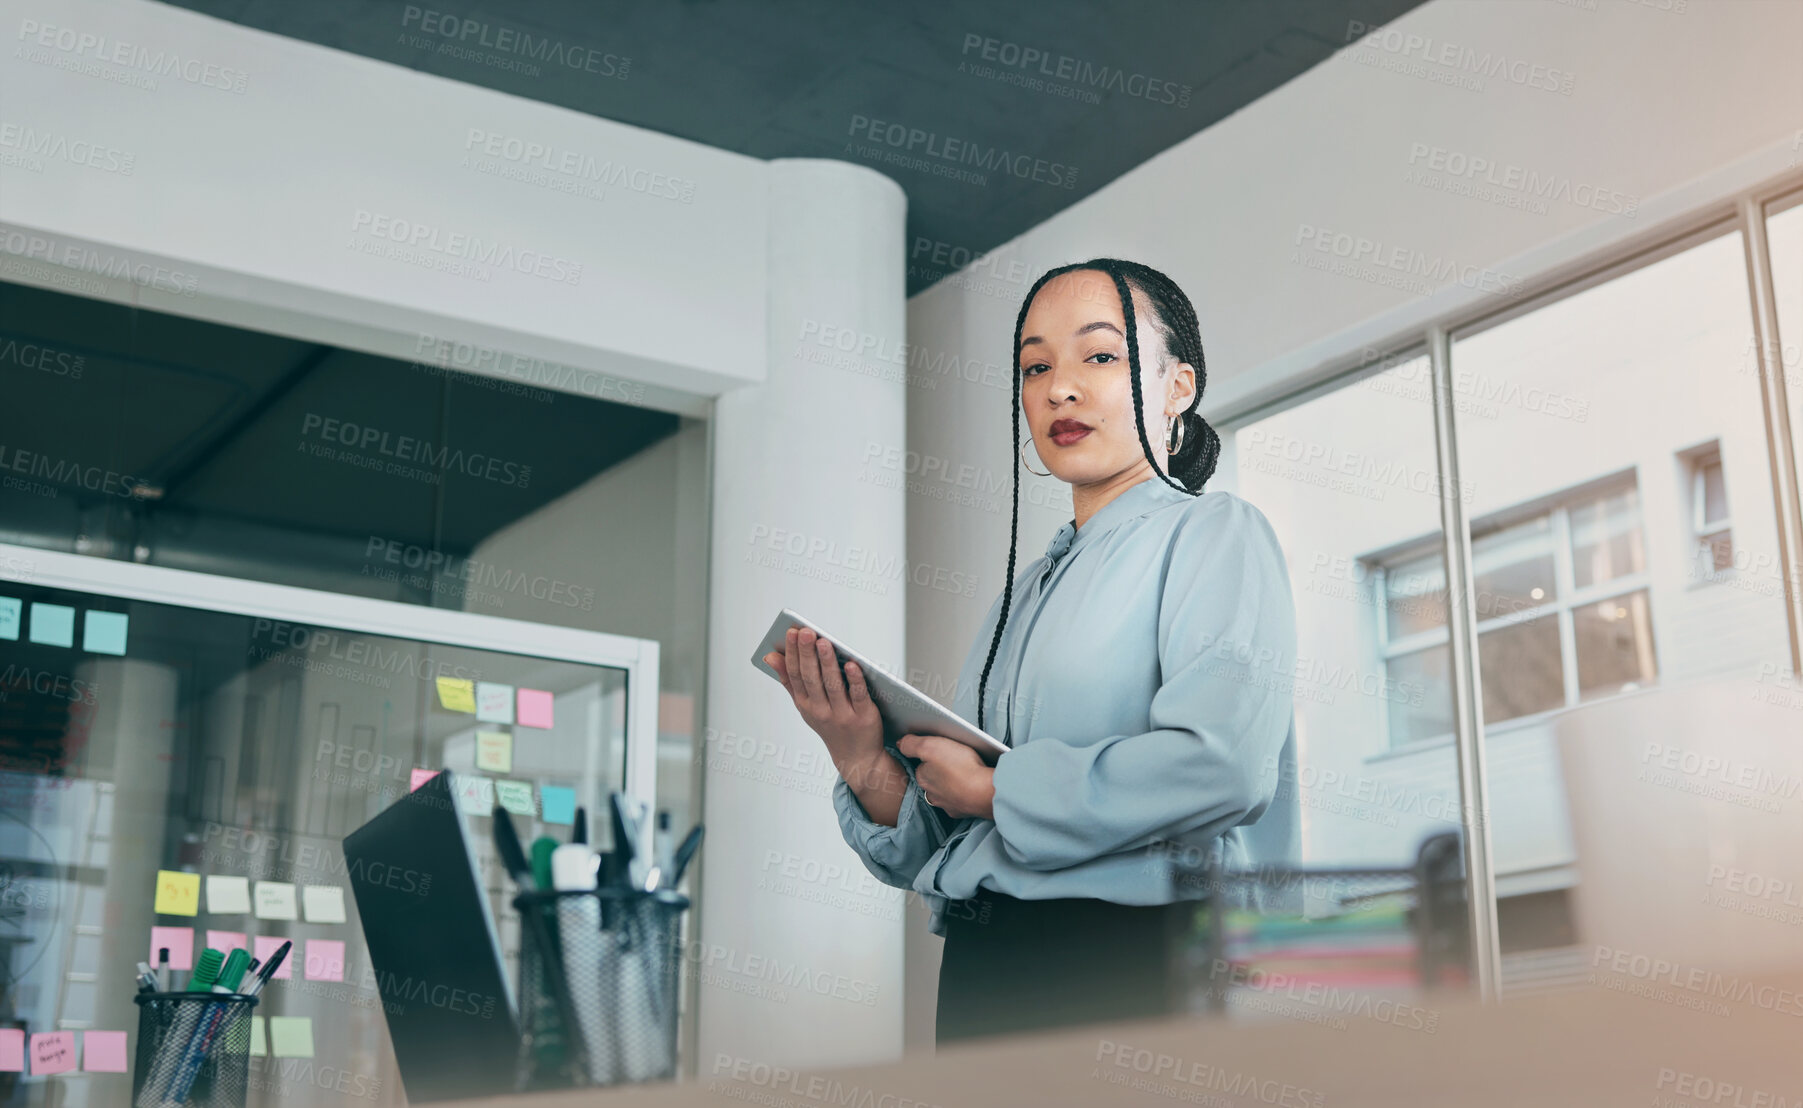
[[952, 775]]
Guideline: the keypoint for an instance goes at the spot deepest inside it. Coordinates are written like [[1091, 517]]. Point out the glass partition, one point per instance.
[[181, 777], [1352, 909]]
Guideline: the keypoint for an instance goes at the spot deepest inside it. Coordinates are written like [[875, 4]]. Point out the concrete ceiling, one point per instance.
[[1066, 94]]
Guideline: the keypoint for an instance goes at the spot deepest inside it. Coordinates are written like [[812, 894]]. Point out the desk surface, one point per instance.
[[1647, 1041]]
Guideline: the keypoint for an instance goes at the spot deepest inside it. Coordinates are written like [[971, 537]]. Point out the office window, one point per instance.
[[1711, 533], [1573, 572]]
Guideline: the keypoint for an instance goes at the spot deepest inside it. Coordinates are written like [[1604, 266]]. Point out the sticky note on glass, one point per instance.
[[516, 797], [325, 960], [275, 900], [10, 610], [291, 1036], [52, 1052], [266, 945], [103, 1052], [259, 1037], [494, 703], [104, 632], [559, 802], [179, 940], [53, 624], [227, 941], [420, 777], [535, 707], [475, 795], [12, 1050], [494, 751], [456, 694], [227, 895], [178, 894], [324, 903]]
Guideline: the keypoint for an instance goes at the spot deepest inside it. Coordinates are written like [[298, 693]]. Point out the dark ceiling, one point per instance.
[[1116, 82]]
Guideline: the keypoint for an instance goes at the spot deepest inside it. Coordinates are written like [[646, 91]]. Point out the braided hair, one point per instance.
[[1174, 318]]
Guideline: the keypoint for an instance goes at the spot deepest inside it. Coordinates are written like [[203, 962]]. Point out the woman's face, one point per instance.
[[1074, 387]]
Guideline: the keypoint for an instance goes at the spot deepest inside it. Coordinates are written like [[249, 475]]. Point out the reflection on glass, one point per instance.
[[1349, 484], [1608, 403], [162, 737], [1521, 669], [1606, 536]]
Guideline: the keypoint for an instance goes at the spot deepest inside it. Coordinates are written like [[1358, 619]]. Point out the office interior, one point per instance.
[[347, 349]]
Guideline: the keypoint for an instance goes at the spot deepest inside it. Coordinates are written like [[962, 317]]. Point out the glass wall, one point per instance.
[[221, 746], [1623, 543], [1333, 924]]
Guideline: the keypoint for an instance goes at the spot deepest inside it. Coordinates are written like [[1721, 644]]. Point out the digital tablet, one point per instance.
[[905, 709]]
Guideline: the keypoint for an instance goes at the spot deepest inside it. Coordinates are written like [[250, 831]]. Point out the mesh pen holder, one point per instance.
[[193, 1050], [618, 952]]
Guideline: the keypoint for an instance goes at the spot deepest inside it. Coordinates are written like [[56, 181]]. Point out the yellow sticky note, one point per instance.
[[291, 1036], [494, 751], [178, 894], [457, 694]]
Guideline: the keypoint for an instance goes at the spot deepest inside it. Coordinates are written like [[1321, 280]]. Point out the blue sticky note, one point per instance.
[[559, 804], [10, 609], [53, 624], [104, 632]]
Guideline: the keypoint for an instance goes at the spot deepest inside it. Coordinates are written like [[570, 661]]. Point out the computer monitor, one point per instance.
[[433, 946]]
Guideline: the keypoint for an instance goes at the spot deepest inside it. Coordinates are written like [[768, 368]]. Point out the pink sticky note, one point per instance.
[[420, 777], [325, 960], [227, 941], [103, 1052], [535, 707], [265, 946], [52, 1052], [12, 1050], [179, 940]]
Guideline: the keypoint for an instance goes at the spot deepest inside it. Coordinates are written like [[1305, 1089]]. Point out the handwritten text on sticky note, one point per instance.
[[178, 894]]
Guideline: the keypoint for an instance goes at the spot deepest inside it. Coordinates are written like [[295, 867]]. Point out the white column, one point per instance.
[[786, 908]]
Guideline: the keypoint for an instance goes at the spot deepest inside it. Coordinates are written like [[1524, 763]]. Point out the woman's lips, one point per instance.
[[1067, 437]]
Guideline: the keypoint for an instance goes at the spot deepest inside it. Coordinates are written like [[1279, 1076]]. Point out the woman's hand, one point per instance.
[[952, 775], [846, 720]]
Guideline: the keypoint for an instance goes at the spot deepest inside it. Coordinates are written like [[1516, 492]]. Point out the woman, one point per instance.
[[1140, 672]]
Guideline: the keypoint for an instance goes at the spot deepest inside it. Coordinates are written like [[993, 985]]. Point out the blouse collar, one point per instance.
[[1130, 504]]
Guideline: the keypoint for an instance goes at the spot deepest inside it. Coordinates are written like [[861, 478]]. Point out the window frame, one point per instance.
[[1567, 597]]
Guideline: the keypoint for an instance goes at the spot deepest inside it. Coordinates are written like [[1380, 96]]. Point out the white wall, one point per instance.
[[249, 200], [1668, 109]]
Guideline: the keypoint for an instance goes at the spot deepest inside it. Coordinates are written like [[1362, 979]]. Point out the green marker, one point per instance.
[[206, 971]]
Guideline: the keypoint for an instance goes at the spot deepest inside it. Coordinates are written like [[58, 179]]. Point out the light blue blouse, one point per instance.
[[1144, 682]]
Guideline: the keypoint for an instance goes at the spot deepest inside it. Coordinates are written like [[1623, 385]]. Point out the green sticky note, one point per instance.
[[259, 1039], [291, 1036], [53, 624], [103, 632], [516, 797], [10, 609]]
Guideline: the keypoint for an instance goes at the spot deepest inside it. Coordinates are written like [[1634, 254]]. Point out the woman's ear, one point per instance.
[[1183, 387]]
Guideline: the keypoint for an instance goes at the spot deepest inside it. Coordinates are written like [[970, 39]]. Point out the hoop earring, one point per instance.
[[1023, 458], [1177, 449]]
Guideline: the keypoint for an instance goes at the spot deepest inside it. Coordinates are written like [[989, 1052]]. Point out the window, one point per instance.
[[1561, 600], [1711, 536]]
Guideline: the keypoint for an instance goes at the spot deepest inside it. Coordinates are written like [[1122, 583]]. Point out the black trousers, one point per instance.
[[1014, 965]]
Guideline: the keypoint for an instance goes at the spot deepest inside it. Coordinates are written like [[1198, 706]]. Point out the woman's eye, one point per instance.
[[1032, 370], [1104, 354]]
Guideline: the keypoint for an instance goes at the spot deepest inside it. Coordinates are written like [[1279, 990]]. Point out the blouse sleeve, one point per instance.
[[1226, 652], [892, 854]]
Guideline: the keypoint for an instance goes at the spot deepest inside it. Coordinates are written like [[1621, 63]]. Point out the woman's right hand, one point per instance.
[[846, 720]]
